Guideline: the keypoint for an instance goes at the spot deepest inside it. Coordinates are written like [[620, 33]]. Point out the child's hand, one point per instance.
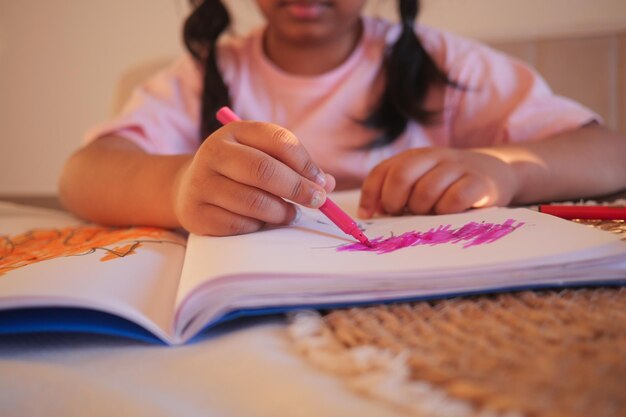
[[238, 178], [437, 180]]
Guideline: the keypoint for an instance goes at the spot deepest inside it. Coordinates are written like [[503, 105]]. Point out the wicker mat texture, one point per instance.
[[533, 353]]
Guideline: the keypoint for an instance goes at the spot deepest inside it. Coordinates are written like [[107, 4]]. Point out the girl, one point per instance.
[[421, 120]]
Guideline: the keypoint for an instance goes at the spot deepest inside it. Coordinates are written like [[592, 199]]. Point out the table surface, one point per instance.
[[40, 200], [247, 368]]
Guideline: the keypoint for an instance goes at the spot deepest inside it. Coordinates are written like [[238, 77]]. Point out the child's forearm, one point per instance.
[[589, 161], [112, 181]]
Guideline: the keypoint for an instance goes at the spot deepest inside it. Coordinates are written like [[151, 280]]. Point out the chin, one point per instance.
[[307, 34]]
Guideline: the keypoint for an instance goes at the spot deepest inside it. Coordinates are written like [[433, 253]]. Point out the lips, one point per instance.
[[306, 10]]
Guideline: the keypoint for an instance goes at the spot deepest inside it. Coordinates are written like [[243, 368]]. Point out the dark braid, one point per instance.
[[409, 72], [201, 31]]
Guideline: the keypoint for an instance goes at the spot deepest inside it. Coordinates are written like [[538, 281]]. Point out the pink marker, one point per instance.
[[331, 210]]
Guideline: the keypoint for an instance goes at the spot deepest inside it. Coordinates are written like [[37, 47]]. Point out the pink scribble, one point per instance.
[[471, 234]]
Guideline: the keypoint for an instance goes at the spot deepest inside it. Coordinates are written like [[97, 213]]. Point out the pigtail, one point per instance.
[[200, 33], [410, 72]]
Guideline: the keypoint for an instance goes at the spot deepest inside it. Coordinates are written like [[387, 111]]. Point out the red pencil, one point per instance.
[[585, 212]]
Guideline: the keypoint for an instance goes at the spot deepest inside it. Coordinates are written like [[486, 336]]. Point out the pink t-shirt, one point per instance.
[[502, 101]]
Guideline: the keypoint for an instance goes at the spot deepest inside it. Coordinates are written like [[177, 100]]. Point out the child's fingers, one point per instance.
[[463, 194], [253, 167], [401, 179], [281, 144], [371, 191], [429, 189], [331, 183], [211, 220], [250, 201]]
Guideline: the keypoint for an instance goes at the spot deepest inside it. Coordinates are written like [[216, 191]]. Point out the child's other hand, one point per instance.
[[238, 178], [437, 180]]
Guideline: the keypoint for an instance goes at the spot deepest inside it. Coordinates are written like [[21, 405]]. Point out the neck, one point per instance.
[[310, 58]]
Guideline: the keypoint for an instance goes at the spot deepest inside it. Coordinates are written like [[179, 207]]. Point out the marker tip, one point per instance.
[[363, 239]]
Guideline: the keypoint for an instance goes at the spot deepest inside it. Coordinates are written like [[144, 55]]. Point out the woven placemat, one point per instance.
[[531, 353]]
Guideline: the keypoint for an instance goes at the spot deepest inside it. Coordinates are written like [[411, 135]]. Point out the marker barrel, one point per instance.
[[585, 212]]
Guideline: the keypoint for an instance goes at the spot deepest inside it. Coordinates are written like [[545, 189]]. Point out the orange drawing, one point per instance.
[[44, 244]]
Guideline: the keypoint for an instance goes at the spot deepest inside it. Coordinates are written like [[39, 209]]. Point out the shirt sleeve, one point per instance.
[[161, 115], [499, 99]]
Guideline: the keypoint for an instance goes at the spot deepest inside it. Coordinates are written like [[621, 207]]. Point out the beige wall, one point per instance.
[[60, 59]]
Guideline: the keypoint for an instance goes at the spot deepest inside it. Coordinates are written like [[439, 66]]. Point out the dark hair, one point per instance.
[[409, 72], [200, 33]]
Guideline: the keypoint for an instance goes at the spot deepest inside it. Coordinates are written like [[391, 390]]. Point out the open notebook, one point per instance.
[[57, 273]]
